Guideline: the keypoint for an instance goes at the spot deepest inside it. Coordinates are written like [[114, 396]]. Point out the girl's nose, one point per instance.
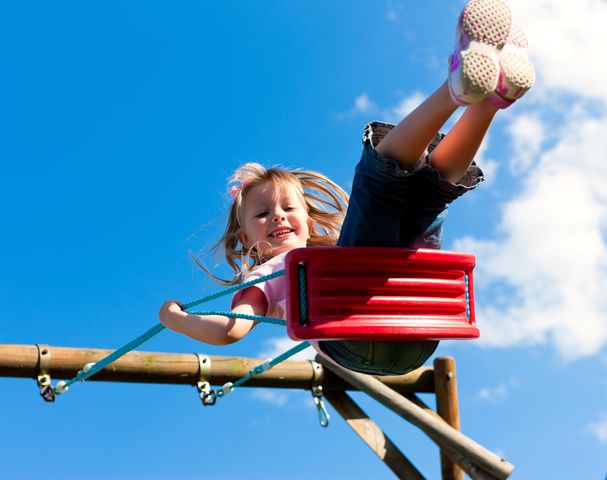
[[278, 216]]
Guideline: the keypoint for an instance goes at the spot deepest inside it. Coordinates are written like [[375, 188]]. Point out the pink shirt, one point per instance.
[[274, 290]]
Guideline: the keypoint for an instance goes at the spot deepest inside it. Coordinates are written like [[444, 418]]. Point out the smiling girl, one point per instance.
[[407, 176]]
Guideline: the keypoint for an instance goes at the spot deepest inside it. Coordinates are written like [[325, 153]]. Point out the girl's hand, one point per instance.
[[170, 312]]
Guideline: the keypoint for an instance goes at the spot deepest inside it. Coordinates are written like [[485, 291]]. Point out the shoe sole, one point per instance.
[[517, 74], [479, 73], [487, 23], [518, 71]]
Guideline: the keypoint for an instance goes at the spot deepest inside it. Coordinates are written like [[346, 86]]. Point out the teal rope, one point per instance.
[[112, 357], [303, 295], [81, 376], [246, 316], [233, 289], [267, 365]]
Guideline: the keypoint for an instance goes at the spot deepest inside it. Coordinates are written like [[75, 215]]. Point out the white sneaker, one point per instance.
[[474, 68], [517, 74]]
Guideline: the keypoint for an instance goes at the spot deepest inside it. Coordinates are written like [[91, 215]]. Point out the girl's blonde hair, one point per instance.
[[325, 201]]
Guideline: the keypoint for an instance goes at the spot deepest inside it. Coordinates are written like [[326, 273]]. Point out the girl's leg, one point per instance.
[[454, 154], [406, 142]]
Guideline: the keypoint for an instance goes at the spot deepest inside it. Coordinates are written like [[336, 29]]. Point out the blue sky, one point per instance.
[[120, 124]]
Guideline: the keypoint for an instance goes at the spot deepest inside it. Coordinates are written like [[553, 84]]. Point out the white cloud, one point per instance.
[[547, 274], [489, 168], [543, 280], [566, 40], [487, 165], [527, 134], [499, 392], [405, 106], [598, 428], [362, 104]]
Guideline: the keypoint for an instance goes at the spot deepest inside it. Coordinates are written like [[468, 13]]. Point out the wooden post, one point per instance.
[[445, 384], [445, 436], [373, 436]]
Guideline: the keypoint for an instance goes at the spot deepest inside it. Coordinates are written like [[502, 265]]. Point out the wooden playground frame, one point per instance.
[[458, 453]]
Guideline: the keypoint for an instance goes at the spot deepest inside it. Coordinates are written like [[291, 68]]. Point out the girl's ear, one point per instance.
[[242, 237]]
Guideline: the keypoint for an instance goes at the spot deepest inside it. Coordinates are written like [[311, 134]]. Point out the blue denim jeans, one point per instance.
[[392, 207]]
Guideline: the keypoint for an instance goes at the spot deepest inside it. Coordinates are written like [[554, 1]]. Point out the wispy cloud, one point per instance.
[[528, 134], [394, 11], [273, 397], [498, 393], [362, 104], [488, 165], [405, 106], [276, 346], [598, 428]]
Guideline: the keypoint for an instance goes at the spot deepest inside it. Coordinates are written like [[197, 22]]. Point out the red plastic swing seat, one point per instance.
[[369, 293]]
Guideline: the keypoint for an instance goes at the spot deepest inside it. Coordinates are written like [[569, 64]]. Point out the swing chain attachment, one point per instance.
[[206, 394], [44, 378], [323, 414]]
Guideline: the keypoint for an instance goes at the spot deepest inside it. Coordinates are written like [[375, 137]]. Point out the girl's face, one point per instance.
[[274, 218]]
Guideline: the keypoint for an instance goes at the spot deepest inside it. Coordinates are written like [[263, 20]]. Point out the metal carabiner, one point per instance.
[[323, 415], [207, 396], [48, 393], [209, 399]]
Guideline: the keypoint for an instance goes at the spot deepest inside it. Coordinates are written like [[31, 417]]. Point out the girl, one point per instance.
[[407, 176]]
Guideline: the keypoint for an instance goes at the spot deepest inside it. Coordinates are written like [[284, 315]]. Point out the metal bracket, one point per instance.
[[318, 373], [44, 378], [207, 396], [323, 414]]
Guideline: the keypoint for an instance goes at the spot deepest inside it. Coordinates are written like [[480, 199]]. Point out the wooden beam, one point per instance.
[[445, 384], [443, 435], [373, 436], [474, 471], [174, 368]]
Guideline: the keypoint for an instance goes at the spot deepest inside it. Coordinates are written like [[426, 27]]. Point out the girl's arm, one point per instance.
[[215, 329]]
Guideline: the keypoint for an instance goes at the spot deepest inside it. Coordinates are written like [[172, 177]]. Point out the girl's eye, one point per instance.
[[289, 208], [261, 214]]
